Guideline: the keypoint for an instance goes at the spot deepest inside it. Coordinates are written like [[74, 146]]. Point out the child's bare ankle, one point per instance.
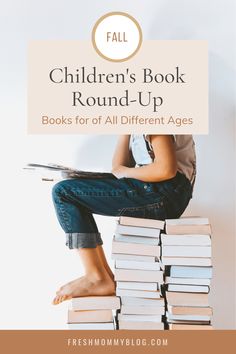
[[98, 276]]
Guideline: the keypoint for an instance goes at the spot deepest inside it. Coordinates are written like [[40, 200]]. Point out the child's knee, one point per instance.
[[58, 189]]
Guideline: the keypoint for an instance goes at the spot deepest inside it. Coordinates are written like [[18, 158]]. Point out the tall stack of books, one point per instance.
[[93, 312], [136, 251], [186, 256]]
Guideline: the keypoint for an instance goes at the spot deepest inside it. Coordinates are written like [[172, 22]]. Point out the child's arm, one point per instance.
[[122, 155], [164, 166]]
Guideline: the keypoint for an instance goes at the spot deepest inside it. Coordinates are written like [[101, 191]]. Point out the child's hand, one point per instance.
[[120, 171]]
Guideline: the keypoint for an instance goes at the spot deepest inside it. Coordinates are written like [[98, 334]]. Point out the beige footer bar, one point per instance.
[[62, 341]]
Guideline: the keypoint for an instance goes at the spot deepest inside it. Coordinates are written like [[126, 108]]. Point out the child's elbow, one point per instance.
[[170, 172], [167, 172]]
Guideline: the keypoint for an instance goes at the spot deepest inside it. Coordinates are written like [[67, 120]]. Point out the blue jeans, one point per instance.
[[76, 200]]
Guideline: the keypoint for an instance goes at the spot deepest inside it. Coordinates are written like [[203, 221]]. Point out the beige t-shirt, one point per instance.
[[184, 148]]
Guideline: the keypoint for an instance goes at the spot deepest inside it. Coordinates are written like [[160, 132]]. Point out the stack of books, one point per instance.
[[138, 276], [93, 312], [186, 256]]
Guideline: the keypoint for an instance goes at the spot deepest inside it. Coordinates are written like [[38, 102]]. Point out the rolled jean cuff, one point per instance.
[[83, 240]]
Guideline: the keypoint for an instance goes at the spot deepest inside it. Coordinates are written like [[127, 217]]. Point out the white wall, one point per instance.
[[34, 260]]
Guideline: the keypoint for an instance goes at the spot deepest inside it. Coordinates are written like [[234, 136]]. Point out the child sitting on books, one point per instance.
[[154, 180]]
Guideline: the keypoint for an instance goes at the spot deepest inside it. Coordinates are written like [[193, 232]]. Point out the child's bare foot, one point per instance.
[[85, 286]]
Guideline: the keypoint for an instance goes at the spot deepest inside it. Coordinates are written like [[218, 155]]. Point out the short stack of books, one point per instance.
[[186, 256], [138, 276], [93, 312]]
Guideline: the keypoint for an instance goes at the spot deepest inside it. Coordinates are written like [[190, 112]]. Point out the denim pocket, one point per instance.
[[155, 210], [181, 197], [182, 188], [140, 187]]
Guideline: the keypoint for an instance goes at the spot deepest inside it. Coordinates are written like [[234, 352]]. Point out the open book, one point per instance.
[[66, 172]]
